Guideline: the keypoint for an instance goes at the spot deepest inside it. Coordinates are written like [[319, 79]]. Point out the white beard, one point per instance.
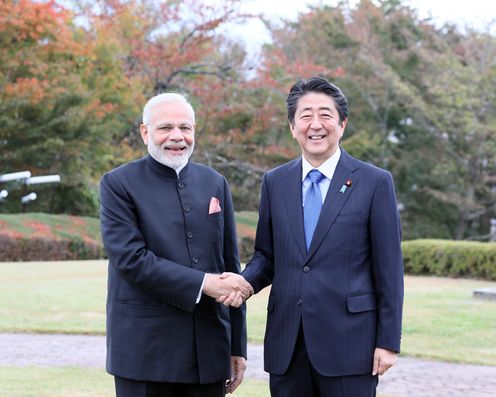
[[173, 162]]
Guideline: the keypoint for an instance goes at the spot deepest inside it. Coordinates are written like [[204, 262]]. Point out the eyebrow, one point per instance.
[[321, 108], [167, 123]]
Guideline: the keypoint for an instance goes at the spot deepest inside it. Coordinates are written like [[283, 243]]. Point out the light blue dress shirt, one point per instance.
[[327, 168]]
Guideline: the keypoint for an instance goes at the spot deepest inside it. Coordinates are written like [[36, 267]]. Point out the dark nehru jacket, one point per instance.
[[161, 239]]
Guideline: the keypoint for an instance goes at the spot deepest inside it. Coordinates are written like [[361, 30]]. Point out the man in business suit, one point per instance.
[[168, 228], [328, 241]]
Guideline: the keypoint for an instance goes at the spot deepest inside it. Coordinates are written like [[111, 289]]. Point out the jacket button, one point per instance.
[[189, 235], [195, 259], [300, 302], [306, 269], [180, 184], [186, 209]]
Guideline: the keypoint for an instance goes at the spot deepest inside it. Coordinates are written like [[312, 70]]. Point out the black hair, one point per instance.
[[318, 85]]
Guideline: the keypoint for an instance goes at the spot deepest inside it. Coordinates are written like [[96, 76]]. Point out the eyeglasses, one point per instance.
[[185, 128]]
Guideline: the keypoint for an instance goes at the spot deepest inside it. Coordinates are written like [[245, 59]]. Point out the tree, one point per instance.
[[460, 92], [76, 90], [57, 100], [178, 46], [421, 102]]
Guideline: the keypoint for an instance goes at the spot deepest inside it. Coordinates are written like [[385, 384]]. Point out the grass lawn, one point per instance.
[[37, 224], [442, 321], [82, 382], [59, 226], [53, 297]]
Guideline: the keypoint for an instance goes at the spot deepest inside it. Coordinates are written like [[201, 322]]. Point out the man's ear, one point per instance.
[[291, 127], [144, 133]]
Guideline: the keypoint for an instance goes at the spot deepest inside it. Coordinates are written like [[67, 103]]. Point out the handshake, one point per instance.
[[230, 289]]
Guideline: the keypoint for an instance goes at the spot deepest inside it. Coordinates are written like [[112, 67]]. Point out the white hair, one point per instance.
[[171, 97]]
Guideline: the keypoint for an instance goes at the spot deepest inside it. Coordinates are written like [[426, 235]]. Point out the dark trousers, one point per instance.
[[133, 388], [301, 379]]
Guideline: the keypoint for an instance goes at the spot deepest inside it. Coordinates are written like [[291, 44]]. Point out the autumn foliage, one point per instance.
[[73, 81]]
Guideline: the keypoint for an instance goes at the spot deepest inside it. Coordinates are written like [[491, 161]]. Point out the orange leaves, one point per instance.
[[162, 41], [99, 110], [30, 89], [43, 23], [13, 234], [39, 229], [38, 41]]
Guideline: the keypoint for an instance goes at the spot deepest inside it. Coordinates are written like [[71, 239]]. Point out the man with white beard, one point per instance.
[[168, 228]]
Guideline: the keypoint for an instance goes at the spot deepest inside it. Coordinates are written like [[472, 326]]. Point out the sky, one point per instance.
[[473, 13]]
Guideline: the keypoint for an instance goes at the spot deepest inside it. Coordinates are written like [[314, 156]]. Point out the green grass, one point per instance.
[[82, 382], [441, 320], [256, 309], [248, 218], [50, 225], [67, 227], [53, 297]]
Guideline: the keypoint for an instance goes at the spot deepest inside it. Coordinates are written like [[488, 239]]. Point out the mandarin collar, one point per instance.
[[166, 171]]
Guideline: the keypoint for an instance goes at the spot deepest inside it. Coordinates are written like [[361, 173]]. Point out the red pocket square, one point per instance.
[[214, 206]]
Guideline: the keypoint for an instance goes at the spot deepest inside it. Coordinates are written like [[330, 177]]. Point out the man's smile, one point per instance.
[[316, 137], [175, 148]]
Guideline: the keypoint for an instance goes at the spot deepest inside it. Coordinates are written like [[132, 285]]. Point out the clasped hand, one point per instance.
[[227, 288]]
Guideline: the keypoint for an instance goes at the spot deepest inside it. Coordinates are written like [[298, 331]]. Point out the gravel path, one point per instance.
[[409, 377]]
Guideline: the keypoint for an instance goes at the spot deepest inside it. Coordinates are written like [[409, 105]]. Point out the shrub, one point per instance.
[[450, 258], [47, 249]]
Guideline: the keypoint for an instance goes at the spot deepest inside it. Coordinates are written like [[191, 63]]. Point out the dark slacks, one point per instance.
[[301, 379], [132, 388]]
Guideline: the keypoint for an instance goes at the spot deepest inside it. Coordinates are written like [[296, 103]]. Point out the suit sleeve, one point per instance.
[[387, 262], [169, 281], [259, 272], [231, 261]]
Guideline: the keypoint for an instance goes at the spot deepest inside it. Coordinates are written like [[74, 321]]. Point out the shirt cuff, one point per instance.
[[201, 290]]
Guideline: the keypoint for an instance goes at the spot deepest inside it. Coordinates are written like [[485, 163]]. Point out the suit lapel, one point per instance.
[[294, 204], [335, 199]]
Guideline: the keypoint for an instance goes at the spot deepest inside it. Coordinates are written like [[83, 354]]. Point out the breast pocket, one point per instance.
[[352, 217], [215, 217]]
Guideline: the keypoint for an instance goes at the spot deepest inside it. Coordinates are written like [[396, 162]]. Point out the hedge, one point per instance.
[[450, 258]]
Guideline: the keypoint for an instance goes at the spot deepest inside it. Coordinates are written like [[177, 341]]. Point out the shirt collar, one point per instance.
[[178, 170], [327, 167]]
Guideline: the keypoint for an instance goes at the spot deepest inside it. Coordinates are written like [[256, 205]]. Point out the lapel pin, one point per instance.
[[346, 184]]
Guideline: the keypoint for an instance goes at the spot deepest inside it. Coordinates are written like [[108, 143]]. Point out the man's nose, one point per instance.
[[316, 123], [176, 134]]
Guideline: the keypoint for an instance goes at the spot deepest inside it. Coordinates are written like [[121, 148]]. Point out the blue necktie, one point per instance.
[[313, 204]]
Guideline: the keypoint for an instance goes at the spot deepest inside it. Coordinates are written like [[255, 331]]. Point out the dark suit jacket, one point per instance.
[[347, 290], [161, 240]]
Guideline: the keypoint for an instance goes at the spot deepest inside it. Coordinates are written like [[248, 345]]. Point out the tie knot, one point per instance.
[[315, 176]]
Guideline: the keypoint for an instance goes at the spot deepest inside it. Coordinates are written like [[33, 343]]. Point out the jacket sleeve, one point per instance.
[[169, 281], [387, 263], [259, 272], [231, 261]]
